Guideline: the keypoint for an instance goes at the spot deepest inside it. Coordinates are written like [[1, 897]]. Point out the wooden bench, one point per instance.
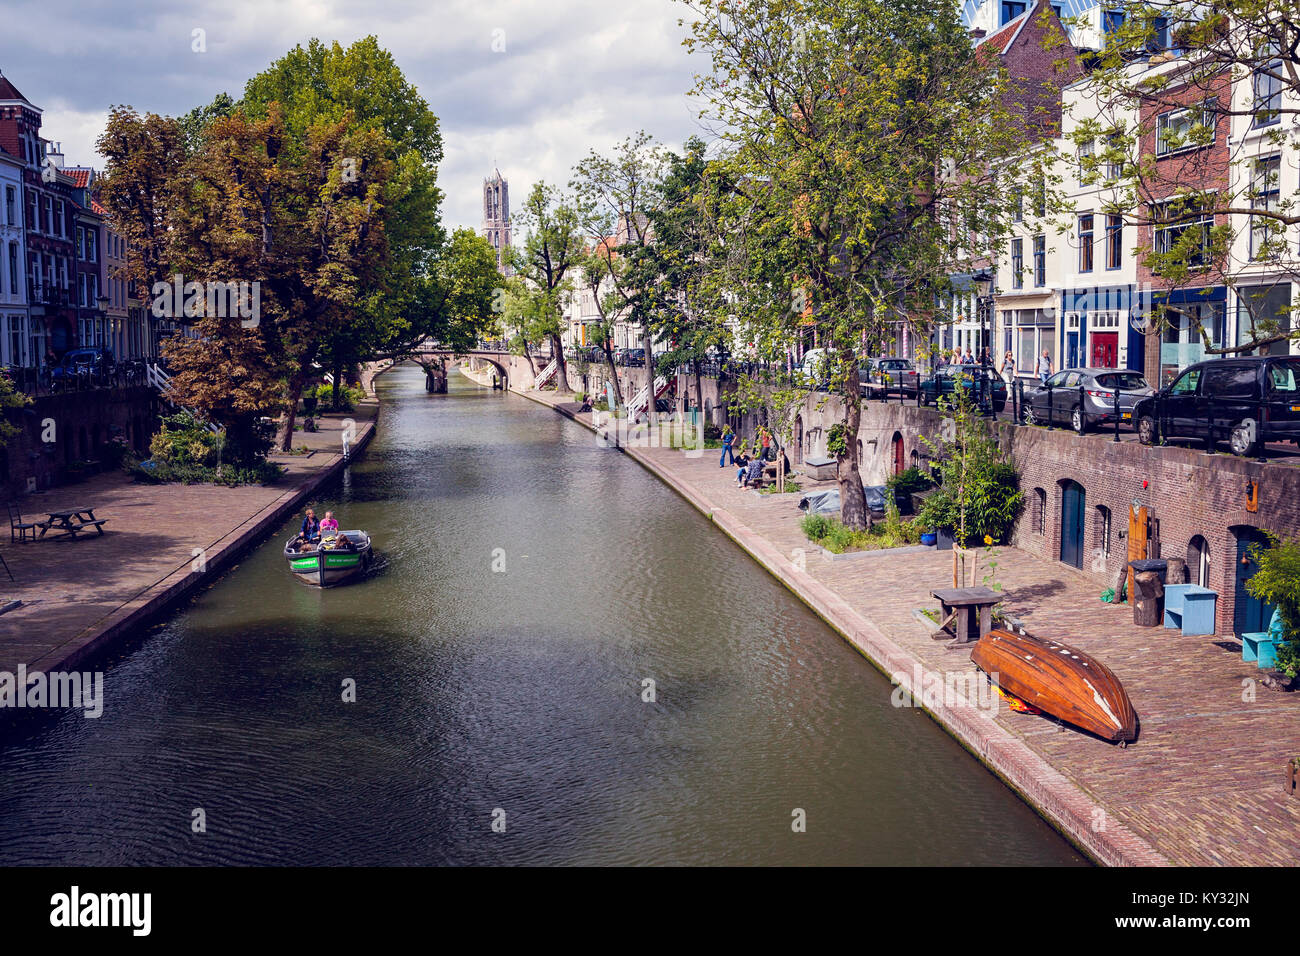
[[1189, 608], [1261, 647]]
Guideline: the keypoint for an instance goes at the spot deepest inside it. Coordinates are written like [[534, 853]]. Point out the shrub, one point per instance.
[[911, 480], [1277, 581]]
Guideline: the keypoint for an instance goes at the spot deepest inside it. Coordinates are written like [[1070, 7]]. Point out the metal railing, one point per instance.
[[55, 380]]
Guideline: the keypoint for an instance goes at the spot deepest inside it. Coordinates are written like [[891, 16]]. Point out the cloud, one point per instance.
[[530, 86]]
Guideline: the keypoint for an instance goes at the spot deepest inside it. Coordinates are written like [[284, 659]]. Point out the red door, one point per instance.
[[898, 455], [1105, 349]]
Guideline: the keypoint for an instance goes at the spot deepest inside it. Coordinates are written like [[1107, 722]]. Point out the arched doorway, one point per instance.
[[1073, 501], [1248, 613], [900, 459], [1198, 561]]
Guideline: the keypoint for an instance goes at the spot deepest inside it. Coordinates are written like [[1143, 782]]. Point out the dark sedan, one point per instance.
[[949, 378], [1084, 397]]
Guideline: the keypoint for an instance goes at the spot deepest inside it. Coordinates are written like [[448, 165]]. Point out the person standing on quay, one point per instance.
[[728, 439], [1044, 367]]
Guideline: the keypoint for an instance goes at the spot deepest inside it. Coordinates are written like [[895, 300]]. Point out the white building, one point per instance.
[[15, 347]]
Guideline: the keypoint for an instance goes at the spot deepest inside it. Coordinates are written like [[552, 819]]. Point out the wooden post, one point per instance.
[[1147, 603]]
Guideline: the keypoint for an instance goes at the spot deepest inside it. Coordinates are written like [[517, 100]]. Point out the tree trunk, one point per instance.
[[699, 393], [296, 384], [853, 503], [529, 355], [613, 372], [334, 392], [562, 367], [1147, 595], [649, 378]]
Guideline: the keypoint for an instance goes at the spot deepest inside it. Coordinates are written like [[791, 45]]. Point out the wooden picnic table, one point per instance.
[[960, 605], [72, 521]]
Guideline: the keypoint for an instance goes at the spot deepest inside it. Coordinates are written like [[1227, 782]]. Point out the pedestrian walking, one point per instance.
[[1044, 367]]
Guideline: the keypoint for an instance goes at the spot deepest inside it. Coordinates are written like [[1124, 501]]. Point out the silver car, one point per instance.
[[1084, 397]]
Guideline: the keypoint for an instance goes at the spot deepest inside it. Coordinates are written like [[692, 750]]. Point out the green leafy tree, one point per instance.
[[864, 144], [546, 262]]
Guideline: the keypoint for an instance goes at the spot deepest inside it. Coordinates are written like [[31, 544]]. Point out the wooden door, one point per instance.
[[899, 464], [1105, 349], [1137, 539], [1072, 511], [1249, 613]]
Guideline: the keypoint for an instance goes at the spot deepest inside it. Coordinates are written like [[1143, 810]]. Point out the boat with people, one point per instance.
[[1058, 680], [333, 558]]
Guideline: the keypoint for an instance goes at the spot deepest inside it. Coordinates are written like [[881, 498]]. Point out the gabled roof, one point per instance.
[[10, 92], [1000, 39], [97, 209], [80, 176]]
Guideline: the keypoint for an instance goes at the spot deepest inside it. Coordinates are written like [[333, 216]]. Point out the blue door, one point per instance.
[[1249, 613], [1071, 350], [1072, 507]]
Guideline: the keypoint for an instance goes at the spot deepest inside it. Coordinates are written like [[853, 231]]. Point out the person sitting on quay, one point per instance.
[[742, 463], [753, 472]]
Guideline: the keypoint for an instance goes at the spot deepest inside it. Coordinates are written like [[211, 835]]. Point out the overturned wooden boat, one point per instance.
[[1059, 680], [337, 557]]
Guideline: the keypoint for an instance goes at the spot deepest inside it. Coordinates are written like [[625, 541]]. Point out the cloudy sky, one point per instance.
[[573, 74]]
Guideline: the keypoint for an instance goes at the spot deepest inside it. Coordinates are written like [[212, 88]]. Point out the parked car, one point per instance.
[[1085, 397], [634, 358], [82, 363], [948, 378], [1246, 400], [813, 370], [894, 374]]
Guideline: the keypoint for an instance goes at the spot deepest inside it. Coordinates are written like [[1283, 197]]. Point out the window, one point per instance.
[[1187, 382], [1159, 38], [92, 253], [1114, 242], [1230, 382], [13, 266], [1040, 260], [1182, 216], [1186, 128], [1087, 165], [1010, 10], [49, 216], [1102, 529], [10, 206], [1266, 89], [58, 212], [1264, 191], [81, 243], [1085, 243], [1059, 10], [1040, 511], [1017, 263], [1111, 20], [1282, 378], [1115, 159], [1040, 198]]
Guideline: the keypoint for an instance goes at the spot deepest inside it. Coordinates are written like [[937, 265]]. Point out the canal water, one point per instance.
[[532, 583]]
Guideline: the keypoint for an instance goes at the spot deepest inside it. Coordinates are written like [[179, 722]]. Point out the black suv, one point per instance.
[[1245, 400]]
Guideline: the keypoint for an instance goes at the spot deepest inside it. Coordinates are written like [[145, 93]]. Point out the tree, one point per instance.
[[864, 144], [685, 304], [546, 262], [1162, 98], [10, 399], [615, 195]]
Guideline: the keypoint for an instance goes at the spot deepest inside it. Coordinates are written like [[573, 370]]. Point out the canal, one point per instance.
[[532, 583]]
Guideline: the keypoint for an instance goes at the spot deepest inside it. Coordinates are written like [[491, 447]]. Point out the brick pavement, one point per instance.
[[79, 595], [1202, 785]]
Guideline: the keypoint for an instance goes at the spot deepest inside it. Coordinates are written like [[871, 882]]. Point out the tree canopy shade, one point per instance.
[[863, 144], [1189, 104]]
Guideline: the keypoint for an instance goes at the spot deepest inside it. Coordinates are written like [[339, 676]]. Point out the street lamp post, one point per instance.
[[983, 285]]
